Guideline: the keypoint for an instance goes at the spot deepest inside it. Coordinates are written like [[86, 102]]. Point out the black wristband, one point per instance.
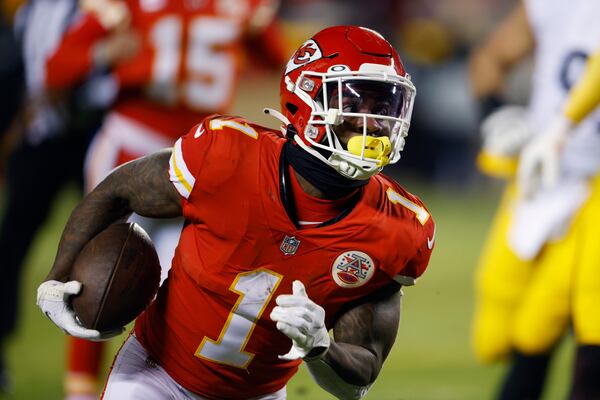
[[488, 104]]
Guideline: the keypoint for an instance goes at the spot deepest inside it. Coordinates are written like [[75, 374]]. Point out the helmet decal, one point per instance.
[[306, 54]]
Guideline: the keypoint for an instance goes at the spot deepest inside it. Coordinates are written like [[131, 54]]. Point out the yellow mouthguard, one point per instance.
[[378, 148]]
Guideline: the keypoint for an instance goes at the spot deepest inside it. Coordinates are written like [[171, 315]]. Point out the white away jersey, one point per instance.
[[566, 33]]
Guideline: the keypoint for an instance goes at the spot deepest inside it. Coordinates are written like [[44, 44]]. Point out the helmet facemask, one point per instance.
[[363, 129]]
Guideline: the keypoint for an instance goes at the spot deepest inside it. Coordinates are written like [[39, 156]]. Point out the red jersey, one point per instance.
[[188, 64], [209, 326]]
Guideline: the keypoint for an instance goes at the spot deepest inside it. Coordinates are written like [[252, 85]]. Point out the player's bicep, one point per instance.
[[144, 183], [372, 325]]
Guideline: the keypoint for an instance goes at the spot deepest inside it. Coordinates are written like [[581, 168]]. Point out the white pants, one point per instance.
[[135, 376]]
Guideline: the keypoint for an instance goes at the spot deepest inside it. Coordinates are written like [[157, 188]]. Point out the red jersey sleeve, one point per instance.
[[416, 266], [189, 154], [414, 235], [208, 157], [73, 59]]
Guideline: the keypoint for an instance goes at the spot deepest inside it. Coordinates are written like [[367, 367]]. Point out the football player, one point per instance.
[[289, 234], [539, 269], [186, 68]]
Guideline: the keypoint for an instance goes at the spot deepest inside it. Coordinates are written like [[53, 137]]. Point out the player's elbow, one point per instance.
[[353, 392], [371, 372]]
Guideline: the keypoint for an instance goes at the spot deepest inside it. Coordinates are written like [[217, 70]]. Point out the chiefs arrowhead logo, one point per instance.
[[352, 269], [307, 53], [304, 54]]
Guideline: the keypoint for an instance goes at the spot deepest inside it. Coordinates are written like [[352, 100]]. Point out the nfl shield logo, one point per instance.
[[289, 245]]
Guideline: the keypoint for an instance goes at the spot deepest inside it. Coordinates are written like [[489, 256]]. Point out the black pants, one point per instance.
[[35, 175]]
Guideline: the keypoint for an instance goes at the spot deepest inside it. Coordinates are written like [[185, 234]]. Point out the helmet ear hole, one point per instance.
[[292, 108]]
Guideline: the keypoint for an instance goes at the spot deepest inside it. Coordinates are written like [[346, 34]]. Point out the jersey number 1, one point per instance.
[[420, 212], [255, 289]]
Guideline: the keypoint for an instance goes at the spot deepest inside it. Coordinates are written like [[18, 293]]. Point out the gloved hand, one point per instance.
[[539, 164], [52, 298], [505, 131], [302, 320]]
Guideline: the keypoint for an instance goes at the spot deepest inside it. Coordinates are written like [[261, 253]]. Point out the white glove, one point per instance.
[[539, 164], [505, 131], [302, 320], [52, 298]]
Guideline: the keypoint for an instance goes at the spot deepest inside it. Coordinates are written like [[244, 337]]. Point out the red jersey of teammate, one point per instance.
[[188, 64], [209, 326]]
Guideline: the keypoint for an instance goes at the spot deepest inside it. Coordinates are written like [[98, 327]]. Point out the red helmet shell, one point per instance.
[[351, 46]]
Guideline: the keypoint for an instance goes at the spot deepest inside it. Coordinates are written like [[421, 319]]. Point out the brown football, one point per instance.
[[120, 273]]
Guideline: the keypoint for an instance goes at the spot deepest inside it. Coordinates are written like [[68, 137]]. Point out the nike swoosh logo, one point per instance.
[[430, 241]]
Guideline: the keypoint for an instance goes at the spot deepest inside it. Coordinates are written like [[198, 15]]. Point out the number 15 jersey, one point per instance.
[[188, 63], [209, 327]]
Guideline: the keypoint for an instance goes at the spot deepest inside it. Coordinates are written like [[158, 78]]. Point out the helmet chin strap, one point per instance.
[[328, 180], [279, 116], [345, 167]]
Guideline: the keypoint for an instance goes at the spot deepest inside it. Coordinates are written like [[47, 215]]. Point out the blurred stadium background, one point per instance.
[[432, 358]]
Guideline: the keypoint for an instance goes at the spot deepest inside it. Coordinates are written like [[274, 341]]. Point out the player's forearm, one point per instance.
[[97, 210], [141, 186], [486, 75], [354, 364], [346, 371], [491, 62], [364, 336]]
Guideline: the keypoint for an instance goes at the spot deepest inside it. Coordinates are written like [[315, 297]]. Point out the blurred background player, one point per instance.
[[540, 169], [540, 268], [11, 75], [46, 143], [186, 68]]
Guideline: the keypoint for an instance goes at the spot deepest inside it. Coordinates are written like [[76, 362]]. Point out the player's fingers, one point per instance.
[[72, 287], [50, 291], [298, 289], [524, 168], [295, 318], [550, 172], [293, 354], [277, 314], [280, 315], [87, 334], [74, 329], [525, 177], [290, 331], [67, 321], [296, 315], [292, 300]]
